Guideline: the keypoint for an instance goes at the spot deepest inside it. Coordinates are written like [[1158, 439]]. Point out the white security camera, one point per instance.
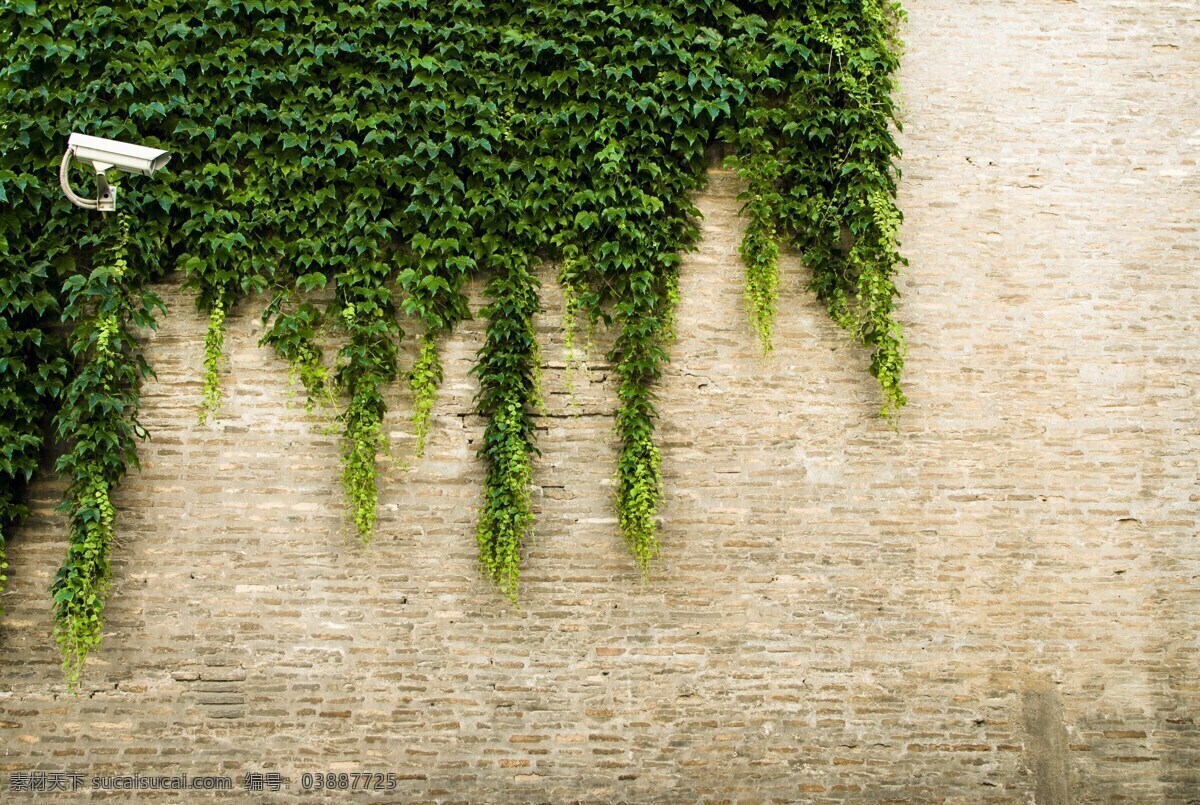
[[104, 155]]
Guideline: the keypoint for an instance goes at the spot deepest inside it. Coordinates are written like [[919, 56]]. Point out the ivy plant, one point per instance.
[[363, 161], [815, 141], [98, 418]]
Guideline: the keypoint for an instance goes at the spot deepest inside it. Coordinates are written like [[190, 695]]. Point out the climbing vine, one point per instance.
[[359, 162], [815, 142], [367, 363], [571, 310], [507, 394], [760, 246], [98, 419], [424, 379], [214, 347], [294, 336]]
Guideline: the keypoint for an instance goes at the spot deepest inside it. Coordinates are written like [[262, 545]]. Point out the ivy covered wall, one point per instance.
[[387, 153], [997, 602]]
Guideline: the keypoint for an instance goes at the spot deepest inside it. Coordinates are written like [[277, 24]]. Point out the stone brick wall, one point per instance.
[[998, 602]]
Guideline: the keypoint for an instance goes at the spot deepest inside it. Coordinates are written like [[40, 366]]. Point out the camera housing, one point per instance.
[[105, 155]]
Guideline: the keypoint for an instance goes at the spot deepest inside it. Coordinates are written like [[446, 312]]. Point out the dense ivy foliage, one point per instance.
[[359, 160], [33, 366]]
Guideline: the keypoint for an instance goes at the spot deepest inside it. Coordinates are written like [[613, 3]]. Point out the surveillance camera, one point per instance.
[[104, 155]]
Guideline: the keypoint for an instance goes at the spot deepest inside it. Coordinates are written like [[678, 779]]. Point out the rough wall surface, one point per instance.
[[999, 602]]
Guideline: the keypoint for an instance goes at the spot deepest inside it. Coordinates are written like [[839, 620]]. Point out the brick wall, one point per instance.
[[998, 602]]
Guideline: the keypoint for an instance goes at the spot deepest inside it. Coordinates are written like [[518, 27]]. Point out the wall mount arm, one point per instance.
[[106, 195]]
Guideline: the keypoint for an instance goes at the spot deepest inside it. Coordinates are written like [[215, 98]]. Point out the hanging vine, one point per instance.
[[214, 348], [367, 363], [571, 291], [816, 144], [294, 337], [507, 394], [760, 246], [424, 379], [98, 419]]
